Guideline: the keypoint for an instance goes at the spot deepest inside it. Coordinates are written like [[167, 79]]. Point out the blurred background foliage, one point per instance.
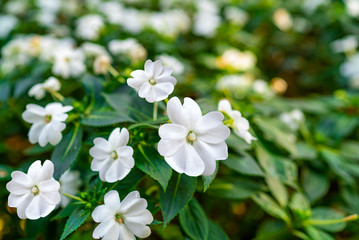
[[290, 67]]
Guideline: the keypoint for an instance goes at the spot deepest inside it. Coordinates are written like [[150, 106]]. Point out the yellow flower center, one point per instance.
[[47, 118], [114, 155], [191, 137], [118, 218], [152, 81], [35, 190]]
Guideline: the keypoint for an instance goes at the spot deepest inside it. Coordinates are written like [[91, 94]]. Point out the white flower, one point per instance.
[[192, 143], [155, 83], [346, 44], [282, 19], [352, 7], [241, 82], [89, 26], [102, 64], [172, 62], [47, 122], [50, 85], [236, 15], [36, 193], [122, 220], [68, 62], [129, 47], [350, 68], [112, 158], [93, 50], [70, 183], [7, 24], [240, 125], [206, 20], [237, 60], [293, 118]]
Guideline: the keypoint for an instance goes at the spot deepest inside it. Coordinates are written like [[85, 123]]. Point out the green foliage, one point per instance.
[[76, 219]]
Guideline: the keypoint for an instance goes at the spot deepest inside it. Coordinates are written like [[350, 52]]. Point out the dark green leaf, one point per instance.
[[77, 218], [66, 151], [105, 118], [194, 221], [149, 161], [179, 191], [325, 213], [316, 234], [244, 164], [216, 232], [270, 206], [65, 212], [315, 185], [207, 180], [278, 190]]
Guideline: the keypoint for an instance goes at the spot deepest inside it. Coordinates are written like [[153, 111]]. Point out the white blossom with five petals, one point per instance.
[[36, 193], [47, 122], [39, 90], [112, 159], [192, 143], [122, 219], [239, 124], [155, 83]]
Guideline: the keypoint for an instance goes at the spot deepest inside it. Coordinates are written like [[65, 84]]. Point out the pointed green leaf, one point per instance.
[[216, 232], [77, 218], [244, 164], [105, 118]]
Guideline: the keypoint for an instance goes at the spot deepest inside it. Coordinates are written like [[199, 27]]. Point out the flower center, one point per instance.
[[114, 155], [152, 81], [47, 118], [191, 137], [35, 190], [118, 218]]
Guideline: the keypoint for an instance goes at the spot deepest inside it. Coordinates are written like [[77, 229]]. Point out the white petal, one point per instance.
[[157, 68], [38, 207], [209, 155], [211, 130], [138, 229], [147, 91], [55, 136], [149, 65], [103, 228], [245, 135], [193, 111], [163, 90], [173, 131], [166, 79], [113, 233], [177, 114], [35, 131], [167, 147], [98, 153], [41, 173], [21, 203], [102, 144], [218, 151], [186, 160], [32, 117], [52, 198], [116, 172], [112, 200], [20, 183], [101, 213], [118, 138], [43, 137], [225, 106]]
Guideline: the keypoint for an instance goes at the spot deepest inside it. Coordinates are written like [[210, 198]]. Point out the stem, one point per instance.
[[332, 221], [155, 109], [114, 185], [73, 197], [57, 95], [113, 71]]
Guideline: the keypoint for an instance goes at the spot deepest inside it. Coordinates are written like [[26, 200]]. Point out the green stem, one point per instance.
[[114, 185], [332, 221], [155, 110], [57, 95], [113, 71], [73, 197]]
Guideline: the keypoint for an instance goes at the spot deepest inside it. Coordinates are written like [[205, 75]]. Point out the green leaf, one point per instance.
[[244, 164], [276, 166], [149, 124], [216, 232], [325, 213], [194, 221], [149, 161], [105, 118], [278, 190], [207, 180], [77, 218], [179, 191], [65, 212], [305, 151], [315, 185], [272, 132], [66, 151], [270, 206], [300, 205], [350, 150], [233, 188], [316, 234], [5, 91]]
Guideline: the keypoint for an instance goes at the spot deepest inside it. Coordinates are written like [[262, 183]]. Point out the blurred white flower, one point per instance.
[[352, 7], [239, 124], [47, 122], [282, 19], [93, 50], [172, 62], [16, 7], [237, 60], [102, 64], [350, 68], [206, 20], [89, 26], [170, 23], [312, 5], [113, 11], [346, 44], [68, 62], [262, 87], [235, 82], [70, 183], [128, 47], [112, 159], [192, 143], [155, 83], [122, 220], [38, 91], [293, 118], [36, 193], [7, 24], [236, 15]]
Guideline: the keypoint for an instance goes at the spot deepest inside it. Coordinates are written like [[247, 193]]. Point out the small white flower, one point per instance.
[[102, 64], [89, 26], [50, 85], [68, 62], [47, 122], [240, 125], [36, 193], [93, 50], [192, 143], [112, 158], [237, 60], [122, 220], [155, 83], [173, 63], [129, 47], [293, 118], [70, 183], [7, 24]]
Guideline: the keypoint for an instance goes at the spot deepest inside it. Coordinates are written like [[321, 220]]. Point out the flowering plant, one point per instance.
[[178, 120]]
